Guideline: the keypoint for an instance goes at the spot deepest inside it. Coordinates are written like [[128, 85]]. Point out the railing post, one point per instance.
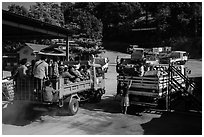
[[167, 93]]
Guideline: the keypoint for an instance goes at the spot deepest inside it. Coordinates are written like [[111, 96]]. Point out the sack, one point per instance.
[[153, 73]]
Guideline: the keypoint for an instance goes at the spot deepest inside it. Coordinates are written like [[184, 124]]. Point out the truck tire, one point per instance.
[[73, 107]]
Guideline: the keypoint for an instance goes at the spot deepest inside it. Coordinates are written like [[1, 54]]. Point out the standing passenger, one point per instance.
[[55, 74], [40, 72], [22, 69], [50, 68], [21, 78]]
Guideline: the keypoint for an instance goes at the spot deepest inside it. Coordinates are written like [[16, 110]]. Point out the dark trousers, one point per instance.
[[38, 83]]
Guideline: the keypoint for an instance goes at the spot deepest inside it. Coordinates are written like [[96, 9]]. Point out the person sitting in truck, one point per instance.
[[84, 72], [67, 75], [49, 94], [81, 70], [88, 71], [75, 73]]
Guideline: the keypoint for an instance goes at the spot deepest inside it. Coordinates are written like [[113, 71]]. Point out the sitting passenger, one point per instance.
[[88, 71], [83, 72], [75, 72], [49, 94], [66, 74]]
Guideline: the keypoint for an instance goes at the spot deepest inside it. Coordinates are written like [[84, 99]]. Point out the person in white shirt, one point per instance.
[[40, 72]]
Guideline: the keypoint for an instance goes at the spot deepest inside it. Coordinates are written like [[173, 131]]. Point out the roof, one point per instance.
[[36, 47], [52, 54], [178, 51], [138, 49], [17, 27]]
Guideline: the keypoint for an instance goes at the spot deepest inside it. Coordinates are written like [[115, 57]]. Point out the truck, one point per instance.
[[131, 48], [103, 61], [157, 87], [179, 57], [69, 94]]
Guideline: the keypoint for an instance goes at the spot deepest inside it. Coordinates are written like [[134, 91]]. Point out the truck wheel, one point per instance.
[[73, 106]]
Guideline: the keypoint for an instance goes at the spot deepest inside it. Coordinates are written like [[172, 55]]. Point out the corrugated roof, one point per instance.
[[36, 47], [18, 27]]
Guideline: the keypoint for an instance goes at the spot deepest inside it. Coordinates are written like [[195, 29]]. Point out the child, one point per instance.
[[49, 94], [125, 99]]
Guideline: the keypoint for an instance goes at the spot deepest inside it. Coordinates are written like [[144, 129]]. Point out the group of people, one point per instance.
[[76, 73], [51, 69], [138, 68]]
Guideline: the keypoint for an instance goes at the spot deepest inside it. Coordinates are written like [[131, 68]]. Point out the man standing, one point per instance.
[[40, 72]]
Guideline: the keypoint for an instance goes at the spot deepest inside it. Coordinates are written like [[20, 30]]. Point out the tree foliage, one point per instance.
[[92, 21], [80, 18], [48, 12], [21, 10], [117, 17]]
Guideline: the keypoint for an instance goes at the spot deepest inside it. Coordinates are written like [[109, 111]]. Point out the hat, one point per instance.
[[65, 66], [28, 64]]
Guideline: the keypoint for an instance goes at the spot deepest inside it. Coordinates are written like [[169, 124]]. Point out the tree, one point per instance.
[[21, 10], [79, 17], [48, 12], [117, 17]]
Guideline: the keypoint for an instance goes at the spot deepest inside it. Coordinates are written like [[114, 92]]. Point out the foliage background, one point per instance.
[[112, 24]]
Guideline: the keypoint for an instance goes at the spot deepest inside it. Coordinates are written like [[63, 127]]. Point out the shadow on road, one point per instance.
[[174, 123], [110, 104], [178, 123], [107, 104], [19, 114]]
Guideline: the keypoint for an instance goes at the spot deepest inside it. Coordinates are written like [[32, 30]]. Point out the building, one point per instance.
[[30, 51]]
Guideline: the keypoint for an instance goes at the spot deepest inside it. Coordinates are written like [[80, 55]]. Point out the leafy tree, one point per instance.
[[79, 17], [117, 17], [21, 10], [47, 12]]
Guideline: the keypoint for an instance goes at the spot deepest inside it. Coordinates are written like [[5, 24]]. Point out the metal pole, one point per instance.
[[67, 49], [167, 94]]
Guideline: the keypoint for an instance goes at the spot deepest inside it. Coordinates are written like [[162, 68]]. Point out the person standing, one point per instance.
[[22, 69], [40, 72], [55, 74], [22, 76], [125, 99], [50, 68]]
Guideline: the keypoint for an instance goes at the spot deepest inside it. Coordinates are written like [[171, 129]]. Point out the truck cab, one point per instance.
[[180, 57]]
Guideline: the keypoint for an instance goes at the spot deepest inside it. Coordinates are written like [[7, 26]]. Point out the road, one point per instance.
[[102, 118]]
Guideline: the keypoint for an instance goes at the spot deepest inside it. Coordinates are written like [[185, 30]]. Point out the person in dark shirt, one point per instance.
[[75, 73], [66, 74]]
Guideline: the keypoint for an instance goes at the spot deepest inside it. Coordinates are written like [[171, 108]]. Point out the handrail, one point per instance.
[[182, 76], [186, 92]]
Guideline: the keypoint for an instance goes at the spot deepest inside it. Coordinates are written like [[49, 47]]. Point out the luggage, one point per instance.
[[8, 90]]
